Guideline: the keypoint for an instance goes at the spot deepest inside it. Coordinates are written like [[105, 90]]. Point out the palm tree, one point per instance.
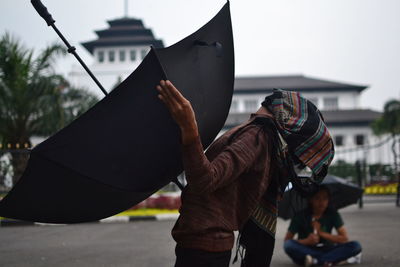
[[34, 99], [389, 123]]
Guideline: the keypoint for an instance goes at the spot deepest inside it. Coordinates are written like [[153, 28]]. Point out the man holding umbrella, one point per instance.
[[236, 184], [224, 185], [316, 245]]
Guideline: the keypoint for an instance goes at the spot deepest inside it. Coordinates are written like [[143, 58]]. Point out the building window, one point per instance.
[[360, 139], [111, 56], [133, 55], [250, 105], [100, 56], [122, 55], [143, 53], [330, 103], [234, 106], [339, 140]]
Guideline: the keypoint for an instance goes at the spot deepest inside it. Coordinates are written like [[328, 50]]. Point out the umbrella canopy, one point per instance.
[[127, 146], [342, 194]]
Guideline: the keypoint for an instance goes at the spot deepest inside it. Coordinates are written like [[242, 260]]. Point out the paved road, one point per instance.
[[149, 243]]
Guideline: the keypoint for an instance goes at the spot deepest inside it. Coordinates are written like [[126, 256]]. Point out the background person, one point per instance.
[[316, 245]]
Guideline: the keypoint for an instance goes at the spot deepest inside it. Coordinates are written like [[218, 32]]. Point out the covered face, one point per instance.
[[304, 131]]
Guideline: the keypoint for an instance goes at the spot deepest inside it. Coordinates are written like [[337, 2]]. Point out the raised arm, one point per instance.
[[181, 111], [203, 175]]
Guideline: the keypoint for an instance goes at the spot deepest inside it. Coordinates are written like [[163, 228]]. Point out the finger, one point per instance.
[[163, 91], [166, 100], [163, 88], [167, 93], [159, 89], [170, 104], [177, 97], [174, 92], [164, 97]]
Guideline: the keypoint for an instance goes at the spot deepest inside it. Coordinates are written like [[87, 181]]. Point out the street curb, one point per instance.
[[8, 222], [113, 219]]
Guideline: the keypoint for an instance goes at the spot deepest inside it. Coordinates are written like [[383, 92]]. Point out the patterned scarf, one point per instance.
[[300, 137], [302, 127]]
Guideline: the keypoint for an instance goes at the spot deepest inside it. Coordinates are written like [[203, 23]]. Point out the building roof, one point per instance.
[[349, 117], [123, 32], [300, 83]]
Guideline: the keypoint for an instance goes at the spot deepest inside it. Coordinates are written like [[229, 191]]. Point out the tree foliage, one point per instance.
[[389, 123], [34, 99]]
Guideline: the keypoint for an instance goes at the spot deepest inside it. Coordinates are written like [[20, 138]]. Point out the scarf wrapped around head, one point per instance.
[[302, 138], [302, 127]]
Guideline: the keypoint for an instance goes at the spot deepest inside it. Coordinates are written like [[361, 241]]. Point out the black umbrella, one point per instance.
[[127, 146], [342, 192]]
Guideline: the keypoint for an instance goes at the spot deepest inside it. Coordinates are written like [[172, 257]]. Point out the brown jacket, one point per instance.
[[224, 186]]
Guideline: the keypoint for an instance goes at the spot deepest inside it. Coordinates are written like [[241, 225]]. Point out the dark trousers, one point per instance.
[[335, 253], [187, 257], [259, 246]]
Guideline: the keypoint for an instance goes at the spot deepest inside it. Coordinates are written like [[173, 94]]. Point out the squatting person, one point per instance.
[[316, 245]]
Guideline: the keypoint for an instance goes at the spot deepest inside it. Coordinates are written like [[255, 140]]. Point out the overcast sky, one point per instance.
[[352, 41]]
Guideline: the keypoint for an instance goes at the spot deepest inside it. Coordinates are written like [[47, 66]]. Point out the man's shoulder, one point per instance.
[[230, 135], [248, 131], [241, 128]]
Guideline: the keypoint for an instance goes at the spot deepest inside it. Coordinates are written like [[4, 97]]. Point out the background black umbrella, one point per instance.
[[127, 146], [342, 193]]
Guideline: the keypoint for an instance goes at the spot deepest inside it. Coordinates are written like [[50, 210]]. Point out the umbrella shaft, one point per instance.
[[179, 184], [71, 49]]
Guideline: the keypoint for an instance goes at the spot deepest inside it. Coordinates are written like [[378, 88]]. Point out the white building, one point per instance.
[[117, 52], [339, 103], [120, 49]]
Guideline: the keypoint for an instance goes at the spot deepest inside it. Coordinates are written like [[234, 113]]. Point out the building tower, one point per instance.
[[117, 51]]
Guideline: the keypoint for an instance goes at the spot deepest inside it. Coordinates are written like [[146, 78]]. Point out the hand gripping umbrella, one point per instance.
[[342, 194], [127, 146]]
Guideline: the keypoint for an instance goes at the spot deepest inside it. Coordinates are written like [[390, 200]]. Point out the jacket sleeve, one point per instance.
[[236, 158]]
